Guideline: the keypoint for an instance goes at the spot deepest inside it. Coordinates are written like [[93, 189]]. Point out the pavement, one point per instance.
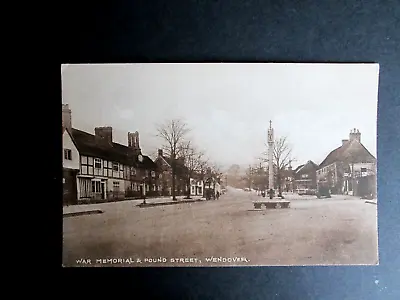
[[226, 232], [88, 208]]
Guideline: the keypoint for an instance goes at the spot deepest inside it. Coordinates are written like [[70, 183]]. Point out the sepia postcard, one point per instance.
[[221, 165]]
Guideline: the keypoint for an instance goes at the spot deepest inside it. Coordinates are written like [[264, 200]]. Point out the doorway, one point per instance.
[[103, 190]]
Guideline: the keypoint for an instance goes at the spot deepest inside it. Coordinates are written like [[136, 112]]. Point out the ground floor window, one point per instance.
[[116, 186], [85, 188], [96, 186]]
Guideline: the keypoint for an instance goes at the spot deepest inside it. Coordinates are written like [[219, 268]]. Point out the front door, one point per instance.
[[70, 195]]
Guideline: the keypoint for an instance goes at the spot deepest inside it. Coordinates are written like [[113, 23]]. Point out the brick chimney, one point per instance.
[[104, 134], [66, 116], [355, 135], [160, 152], [133, 141]]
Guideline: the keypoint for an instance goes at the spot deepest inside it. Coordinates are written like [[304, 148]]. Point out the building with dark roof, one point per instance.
[[107, 170], [349, 169], [164, 165], [305, 176]]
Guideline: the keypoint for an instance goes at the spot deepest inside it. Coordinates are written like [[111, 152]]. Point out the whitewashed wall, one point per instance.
[[110, 184], [101, 172], [68, 144]]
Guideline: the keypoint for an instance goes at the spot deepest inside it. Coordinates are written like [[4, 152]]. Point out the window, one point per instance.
[[97, 163], [160, 176], [68, 154], [133, 171], [147, 173], [121, 167], [116, 186], [304, 176], [96, 188], [153, 174], [115, 166], [363, 169]]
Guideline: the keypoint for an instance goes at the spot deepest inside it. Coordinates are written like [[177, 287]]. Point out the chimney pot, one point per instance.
[[160, 152]]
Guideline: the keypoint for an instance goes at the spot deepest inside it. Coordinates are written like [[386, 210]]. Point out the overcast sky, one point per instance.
[[228, 106]]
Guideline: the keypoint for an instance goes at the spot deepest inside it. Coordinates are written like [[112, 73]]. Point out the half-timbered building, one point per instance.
[[109, 170]]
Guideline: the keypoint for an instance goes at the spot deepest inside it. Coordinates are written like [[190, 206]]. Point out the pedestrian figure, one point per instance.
[[217, 195]]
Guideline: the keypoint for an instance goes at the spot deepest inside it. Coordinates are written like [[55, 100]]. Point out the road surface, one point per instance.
[[224, 232]]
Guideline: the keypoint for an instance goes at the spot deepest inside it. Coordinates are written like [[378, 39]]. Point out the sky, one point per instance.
[[228, 106]]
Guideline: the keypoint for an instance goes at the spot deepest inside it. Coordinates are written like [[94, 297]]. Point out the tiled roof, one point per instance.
[[180, 167], [87, 144], [310, 165], [350, 150], [298, 168]]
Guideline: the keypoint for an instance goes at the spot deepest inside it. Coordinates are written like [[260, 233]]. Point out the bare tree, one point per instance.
[[249, 177], [173, 133], [282, 159], [193, 161], [215, 174]]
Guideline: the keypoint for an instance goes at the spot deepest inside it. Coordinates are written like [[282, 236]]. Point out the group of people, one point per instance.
[[210, 193]]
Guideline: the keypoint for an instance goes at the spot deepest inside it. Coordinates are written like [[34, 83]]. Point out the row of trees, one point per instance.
[[181, 149]]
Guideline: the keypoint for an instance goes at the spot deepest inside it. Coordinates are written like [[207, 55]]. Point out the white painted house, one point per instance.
[[196, 187], [70, 168]]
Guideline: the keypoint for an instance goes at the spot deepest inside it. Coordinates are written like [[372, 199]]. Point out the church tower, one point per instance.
[[133, 142]]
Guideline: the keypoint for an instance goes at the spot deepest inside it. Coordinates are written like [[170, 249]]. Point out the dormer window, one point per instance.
[[97, 163]]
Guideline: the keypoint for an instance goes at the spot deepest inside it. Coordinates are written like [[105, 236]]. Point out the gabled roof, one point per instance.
[[310, 165], [180, 167], [87, 144], [351, 150], [298, 168]]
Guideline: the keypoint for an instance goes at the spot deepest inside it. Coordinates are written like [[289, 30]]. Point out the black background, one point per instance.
[[256, 31]]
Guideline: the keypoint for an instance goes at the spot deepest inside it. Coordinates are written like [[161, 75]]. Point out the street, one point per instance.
[[224, 232]]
